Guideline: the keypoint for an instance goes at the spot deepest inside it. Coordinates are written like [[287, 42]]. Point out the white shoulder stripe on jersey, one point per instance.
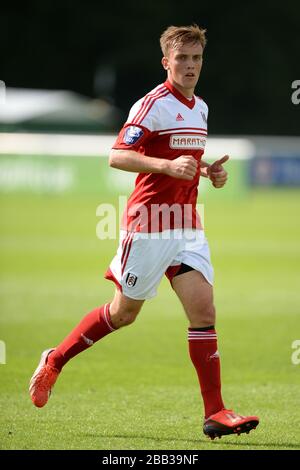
[[147, 105], [151, 103], [146, 99]]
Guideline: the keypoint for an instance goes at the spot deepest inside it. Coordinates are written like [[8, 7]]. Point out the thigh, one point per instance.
[[196, 296]]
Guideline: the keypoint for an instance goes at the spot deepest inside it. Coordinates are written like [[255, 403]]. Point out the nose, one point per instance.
[[190, 64]]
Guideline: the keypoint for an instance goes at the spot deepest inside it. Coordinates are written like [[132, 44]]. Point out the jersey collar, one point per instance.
[[189, 103]]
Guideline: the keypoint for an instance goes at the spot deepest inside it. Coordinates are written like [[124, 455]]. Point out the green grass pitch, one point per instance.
[[137, 388]]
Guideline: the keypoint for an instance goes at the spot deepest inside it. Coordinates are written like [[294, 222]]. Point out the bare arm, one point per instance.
[[129, 160], [183, 167]]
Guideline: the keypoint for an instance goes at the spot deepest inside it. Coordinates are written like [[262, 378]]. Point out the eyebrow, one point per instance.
[[184, 55]]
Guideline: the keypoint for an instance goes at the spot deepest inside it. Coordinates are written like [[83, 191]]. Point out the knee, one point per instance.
[[203, 317], [123, 317], [127, 317], [209, 316]]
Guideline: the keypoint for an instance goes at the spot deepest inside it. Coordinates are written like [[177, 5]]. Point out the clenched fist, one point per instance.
[[184, 167]]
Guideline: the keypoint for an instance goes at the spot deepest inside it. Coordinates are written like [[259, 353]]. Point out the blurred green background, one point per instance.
[[137, 389], [77, 68]]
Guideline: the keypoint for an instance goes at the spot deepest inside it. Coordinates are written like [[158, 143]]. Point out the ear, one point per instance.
[[165, 63]]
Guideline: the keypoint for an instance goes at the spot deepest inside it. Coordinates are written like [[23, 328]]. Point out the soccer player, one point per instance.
[[163, 141]]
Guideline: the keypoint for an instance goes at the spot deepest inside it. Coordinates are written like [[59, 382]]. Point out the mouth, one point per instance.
[[190, 75]]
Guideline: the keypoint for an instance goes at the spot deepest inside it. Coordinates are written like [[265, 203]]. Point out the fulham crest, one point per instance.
[[131, 280]]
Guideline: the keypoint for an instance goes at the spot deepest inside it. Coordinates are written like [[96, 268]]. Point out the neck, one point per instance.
[[186, 92]]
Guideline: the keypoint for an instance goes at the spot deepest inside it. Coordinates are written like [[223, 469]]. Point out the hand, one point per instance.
[[184, 167], [216, 172]]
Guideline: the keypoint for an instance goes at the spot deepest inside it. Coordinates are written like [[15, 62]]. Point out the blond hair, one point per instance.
[[176, 36]]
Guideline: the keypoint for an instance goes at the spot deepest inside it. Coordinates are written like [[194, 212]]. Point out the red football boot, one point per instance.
[[42, 381], [227, 422]]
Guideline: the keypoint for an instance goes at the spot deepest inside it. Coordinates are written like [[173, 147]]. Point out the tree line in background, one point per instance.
[[111, 51]]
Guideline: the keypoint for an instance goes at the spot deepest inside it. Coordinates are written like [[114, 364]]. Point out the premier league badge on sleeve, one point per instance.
[[132, 135]]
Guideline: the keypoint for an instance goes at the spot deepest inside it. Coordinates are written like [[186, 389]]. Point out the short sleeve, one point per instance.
[[141, 123], [131, 137]]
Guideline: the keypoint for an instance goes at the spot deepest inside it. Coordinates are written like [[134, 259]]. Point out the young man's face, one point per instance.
[[184, 66]]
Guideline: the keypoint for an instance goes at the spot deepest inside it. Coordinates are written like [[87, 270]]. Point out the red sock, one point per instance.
[[94, 326], [205, 357]]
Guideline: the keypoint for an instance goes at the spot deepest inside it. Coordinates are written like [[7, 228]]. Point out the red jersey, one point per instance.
[[164, 124]]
